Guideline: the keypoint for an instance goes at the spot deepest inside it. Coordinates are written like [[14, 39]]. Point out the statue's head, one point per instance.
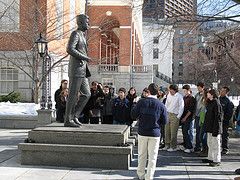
[[83, 22]]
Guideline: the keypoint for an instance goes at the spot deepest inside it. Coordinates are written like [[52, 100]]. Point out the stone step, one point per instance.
[[78, 156], [88, 134]]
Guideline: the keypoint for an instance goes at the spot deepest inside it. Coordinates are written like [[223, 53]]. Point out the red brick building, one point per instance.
[[20, 24], [114, 40]]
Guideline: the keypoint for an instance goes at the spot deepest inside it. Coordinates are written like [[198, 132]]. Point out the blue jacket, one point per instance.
[[151, 113], [121, 110]]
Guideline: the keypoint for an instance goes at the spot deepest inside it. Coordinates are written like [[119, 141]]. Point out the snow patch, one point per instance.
[[25, 109]]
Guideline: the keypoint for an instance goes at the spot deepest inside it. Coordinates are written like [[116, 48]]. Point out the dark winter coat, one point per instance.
[[227, 107], [121, 110], [214, 117], [107, 103], [57, 97]]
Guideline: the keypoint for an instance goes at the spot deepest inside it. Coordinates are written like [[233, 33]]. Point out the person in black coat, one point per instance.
[[131, 97], [227, 107], [107, 103], [213, 122], [93, 106], [57, 98], [62, 105]]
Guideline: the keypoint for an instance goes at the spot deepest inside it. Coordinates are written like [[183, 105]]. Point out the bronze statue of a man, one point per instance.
[[79, 90]]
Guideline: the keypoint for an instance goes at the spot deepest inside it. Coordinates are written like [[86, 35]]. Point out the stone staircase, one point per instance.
[[90, 146]]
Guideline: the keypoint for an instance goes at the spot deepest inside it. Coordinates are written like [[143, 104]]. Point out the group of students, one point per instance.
[[159, 117], [104, 105], [212, 114]]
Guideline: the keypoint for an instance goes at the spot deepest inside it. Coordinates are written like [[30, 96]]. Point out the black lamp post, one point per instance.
[[46, 65], [41, 45]]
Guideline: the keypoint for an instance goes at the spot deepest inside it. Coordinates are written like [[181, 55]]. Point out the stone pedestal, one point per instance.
[[90, 146], [44, 117]]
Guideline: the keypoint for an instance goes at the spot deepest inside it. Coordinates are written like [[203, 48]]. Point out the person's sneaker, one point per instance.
[[214, 164], [165, 148], [182, 148], [225, 151], [197, 150], [188, 150], [206, 161], [203, 153], [162, 146], [237, 171], [172, 150]]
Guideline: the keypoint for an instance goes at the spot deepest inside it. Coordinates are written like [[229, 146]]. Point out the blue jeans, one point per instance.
[[187, 134], [225, 136], [203, 136], [191, 131], [198, 130]]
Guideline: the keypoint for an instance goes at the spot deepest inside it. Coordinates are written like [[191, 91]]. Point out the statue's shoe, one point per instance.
[[70, 123], [77, 122]]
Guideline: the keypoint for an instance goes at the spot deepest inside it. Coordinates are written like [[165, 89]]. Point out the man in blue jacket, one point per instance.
[[151, 114]]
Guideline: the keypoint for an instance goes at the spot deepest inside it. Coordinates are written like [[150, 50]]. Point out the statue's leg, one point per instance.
[[74, 85], [85, 94]]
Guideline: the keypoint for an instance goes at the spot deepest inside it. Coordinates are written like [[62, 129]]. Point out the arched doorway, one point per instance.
[[109, 41]]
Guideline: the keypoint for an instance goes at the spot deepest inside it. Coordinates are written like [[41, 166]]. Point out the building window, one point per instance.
[[72, 15], [8, 80], [155, 53], [181, 40], [10, 16], [180, 48], [59, 19], [155, 40]]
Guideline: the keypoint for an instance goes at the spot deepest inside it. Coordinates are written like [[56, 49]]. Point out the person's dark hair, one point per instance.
[[129, 95], [146, 90], [186, 86], [226, 88], [153, 89], [64, 80], [94, 83], [107, 87], [174, 87], [122, 90], [214, 93], [201, 84]]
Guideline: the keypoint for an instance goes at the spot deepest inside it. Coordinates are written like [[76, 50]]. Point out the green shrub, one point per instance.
[[13, 97]]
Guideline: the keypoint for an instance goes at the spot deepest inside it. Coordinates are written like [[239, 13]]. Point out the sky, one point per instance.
[[218, 7]]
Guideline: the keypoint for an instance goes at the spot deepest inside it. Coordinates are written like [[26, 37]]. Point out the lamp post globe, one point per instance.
[[41, 45]]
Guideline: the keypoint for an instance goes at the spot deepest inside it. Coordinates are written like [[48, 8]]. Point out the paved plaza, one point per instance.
[[170, 165]]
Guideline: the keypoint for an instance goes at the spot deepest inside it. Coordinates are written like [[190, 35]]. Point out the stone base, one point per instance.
[[44, 117], [90, 146], [78, 156], [88, 134]]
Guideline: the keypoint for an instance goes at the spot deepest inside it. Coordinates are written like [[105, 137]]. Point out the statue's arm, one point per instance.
[[72, 50]]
